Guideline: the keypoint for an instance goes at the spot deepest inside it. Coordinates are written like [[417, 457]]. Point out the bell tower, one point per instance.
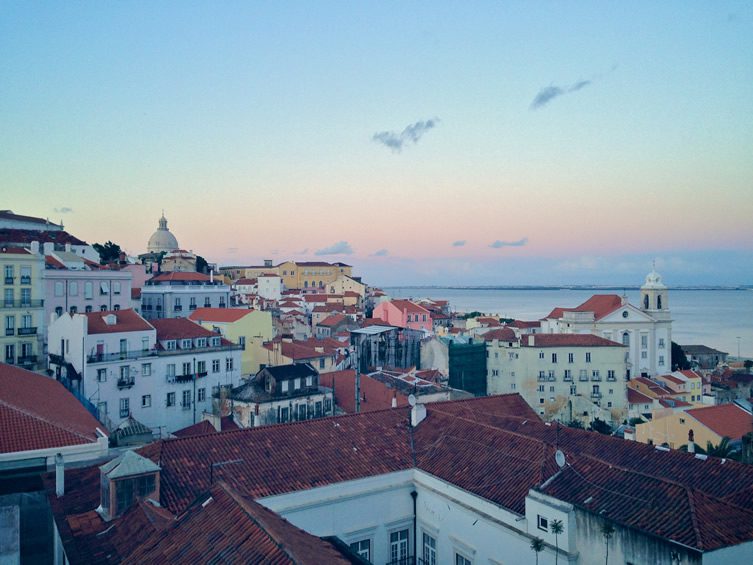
[[654, 298]]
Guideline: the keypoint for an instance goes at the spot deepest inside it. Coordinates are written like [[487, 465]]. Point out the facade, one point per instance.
[[176, 295], [324, 355], [22, 307], [162, 240], [563, 376], [472, 481], [276, 395], [404, 314], [311, 275], [248, 328], [163, 374], [385, 346], [269, 286], [179, 260], [704, 357], [646, 330]]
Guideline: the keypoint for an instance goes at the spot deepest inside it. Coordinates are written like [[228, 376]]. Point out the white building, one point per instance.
[[163, 373], [470, 482], [645, 329], [562, 376], [269, 286], [176, 295]]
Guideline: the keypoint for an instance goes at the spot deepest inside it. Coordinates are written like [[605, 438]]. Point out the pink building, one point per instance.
[[404, 314]]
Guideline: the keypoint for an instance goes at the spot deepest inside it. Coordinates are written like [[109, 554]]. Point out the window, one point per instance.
[[146, 401], [309, 381], [568, 374], [207, 303], [201, 367], [551, 389], [59, 289], [296, 384], [101, 409], [8, 297], [10, 325], [144, 344], [462, 560], [25, 297], [595, 374], [73, 288], [644, 341], [573, 389], [541, 388], [284, 415], [201, 342], [202, 394], [88, 290], [8, 274], [59, 310], [116, 288], [146, 369], [542, 523], [186, 369], [661, 359], [321, 363], [429, 550], [284, 385], [512, 386], [125, 372], [399, 546], [570, 357], [192, 303], [186, 402], [362, 548], [101, 375], [644, 354], [541, 354], [302, 411], [103, 308], [170, 398], [542, 374], [215, 342], [185, 344], [170, 344], [171, 370], [215, 365], [104, 288], [626, 338], [551, 376], [610, 374], [124, 407], [588, 356], [87, 309], [10, 354], [554, 357], [229, 364]]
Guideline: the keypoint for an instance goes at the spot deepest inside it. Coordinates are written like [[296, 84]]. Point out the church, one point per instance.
[[163, 249], [645, 329]]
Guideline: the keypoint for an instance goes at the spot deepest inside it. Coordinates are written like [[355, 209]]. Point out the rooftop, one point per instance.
[[726, 420], [223, 315], [179, 328], [125, 321]]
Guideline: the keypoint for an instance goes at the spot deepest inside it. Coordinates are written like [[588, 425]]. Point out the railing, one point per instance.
[[25, 280], [583, 378], [406, 561], [180, 378], [27, 359], [22, 303], [126, 383], [596, 395], [202, 374], [551, 378], [9, 280], [568, 378], [192, 306], [178, 308], [541, 378], [119, 356], [9, 331], [596, 378], [27, 331], [611, 378]]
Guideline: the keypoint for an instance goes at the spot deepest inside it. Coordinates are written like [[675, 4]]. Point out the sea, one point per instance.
[[722, 319]]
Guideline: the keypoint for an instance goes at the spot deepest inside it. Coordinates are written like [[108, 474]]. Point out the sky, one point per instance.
[[491, 143]]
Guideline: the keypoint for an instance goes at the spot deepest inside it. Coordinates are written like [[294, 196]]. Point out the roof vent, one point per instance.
[[110, 319], [701, 456]]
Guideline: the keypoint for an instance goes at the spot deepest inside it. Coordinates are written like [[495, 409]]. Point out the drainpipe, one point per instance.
[[414, 496]]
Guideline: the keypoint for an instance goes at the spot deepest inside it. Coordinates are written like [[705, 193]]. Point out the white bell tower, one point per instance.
[[654, 296]]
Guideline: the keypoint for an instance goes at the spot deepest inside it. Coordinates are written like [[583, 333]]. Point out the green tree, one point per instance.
[[607, 530], [108, 252], [599, 425], [537, 545], [575, 424], [201, 265], [722, 449], [557, 529], [679, 361], [748, 365]]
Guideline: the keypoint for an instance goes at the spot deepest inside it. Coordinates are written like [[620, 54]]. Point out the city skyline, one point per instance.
[[422, 143]]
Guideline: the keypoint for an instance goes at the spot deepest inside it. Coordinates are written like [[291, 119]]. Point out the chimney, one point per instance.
[[691, 442], [417, 414], [68, 247], [214, 419], [531, 340], [35, 247], [394, 399], [59, 475], [48, 247], [211, 275]]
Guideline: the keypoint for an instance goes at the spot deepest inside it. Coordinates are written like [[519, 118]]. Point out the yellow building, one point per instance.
[[248, 328], [311, 274], [345, 283], [708, 424], [22, 307]]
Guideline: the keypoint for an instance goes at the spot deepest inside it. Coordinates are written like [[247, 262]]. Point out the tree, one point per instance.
[[201, 265], [748, 365], [575, 424], [557, 529], [607, 530], [599, 425], [722, 449], [108, 252], [537, 545], [679, 361]]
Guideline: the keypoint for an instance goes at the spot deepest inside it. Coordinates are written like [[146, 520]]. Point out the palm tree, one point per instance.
[[722, 449], [607, 530], [557, 529], [537, 545]]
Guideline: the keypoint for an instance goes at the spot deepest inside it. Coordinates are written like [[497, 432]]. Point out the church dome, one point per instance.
[[653, 280], [162, 239]]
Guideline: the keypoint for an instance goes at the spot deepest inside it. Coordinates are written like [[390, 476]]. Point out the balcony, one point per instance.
[[9, 331], [568, 378], [551, 378], [192, 306], [126, 382], [542, 378], [611, 378], [178, 308], [22, 303], [27, 331], [25, 280], [180, 378], [27, 360], [596, 378], [9, 280], [583, 378], [201, 374], [119, 356], [596, 395]]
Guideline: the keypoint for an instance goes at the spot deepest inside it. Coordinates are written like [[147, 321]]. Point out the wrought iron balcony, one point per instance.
[[9, 331], [9, 280], [596, 395], [181, 378], [126, 382], [25, 280], [27, 331], [202, 374], [611, 378], [192, 306], [178, 308], [119, 356], [22, 303], [596, 378], [27, 359]]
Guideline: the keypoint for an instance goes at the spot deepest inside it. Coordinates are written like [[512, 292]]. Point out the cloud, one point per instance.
[[63, 210], [519, 243], [380, 253], [549, 93], [458, 243], [339, 248], [412, 133], [578, 85]]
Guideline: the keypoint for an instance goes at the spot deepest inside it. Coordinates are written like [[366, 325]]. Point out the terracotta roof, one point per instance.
[[245, 281], [297, 351], [375, 395], [367, 322], [409, 306], [51, 263], [126, 320], [25, 237], [135, 293], [315, 297], [524, 325], [635, 397], [726, 420], [672, 379], [501, 334], [179, 276], [673, 403], [489, 321], [205, 427], [600, 304], [653, 386], [568, 340], [226, 315], [14, 251], [352, 294], [37, 412], [9, 215], [179, 328], [333, 320]]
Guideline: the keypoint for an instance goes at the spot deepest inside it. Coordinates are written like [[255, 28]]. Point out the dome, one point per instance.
[[653, 280], [162, 239]]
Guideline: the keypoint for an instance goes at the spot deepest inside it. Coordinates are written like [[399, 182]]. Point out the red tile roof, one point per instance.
[[375, 395], [600, 304], [205, 427], [125, 321], [135, 293], [409, 306], [179, 276], [8, 235], [635, 397], [245, 281], [37, 412], [673, 403], [488, 321], [179, 328], [501, 334], [52, 263], [14, 251], [315, 298], [524, 325], [332, 321], [568, 340], [225, 315], [726, 420]]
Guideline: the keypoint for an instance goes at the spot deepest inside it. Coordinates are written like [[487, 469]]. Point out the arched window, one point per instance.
[[658, 302], [645, 302], [321, 284], [305, 284], [626, 338]]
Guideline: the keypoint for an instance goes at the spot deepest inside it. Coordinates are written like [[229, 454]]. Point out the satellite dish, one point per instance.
[[559, 457], [412, 400]]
